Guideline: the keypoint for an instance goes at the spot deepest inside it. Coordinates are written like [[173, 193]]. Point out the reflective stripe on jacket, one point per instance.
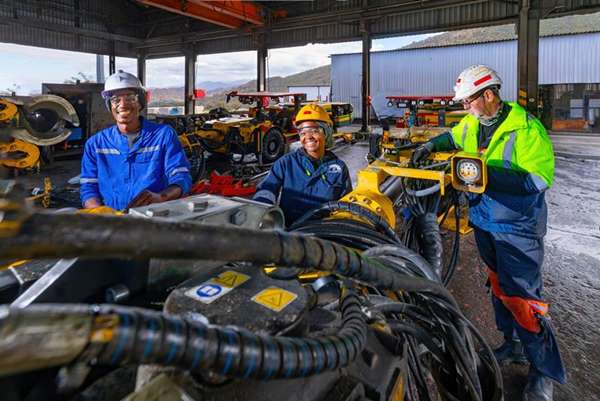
[[521, 148], [302, 186], [115, 173]]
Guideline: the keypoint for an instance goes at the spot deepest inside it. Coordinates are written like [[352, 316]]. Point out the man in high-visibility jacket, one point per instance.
[[509, 219], [311, 176]]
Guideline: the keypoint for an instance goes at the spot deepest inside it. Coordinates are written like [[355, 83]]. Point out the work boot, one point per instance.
[[538, 387], [511, 351]]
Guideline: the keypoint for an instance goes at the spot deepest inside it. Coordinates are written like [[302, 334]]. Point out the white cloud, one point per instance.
[[28, 66]]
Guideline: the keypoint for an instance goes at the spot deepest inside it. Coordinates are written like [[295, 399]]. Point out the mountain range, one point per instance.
[[216, 91]]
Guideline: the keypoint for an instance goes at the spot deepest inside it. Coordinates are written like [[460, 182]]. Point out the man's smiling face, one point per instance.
[[125, 106]]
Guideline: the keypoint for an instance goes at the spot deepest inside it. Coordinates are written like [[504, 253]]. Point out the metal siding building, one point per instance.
[[432, 71], [313, 92]]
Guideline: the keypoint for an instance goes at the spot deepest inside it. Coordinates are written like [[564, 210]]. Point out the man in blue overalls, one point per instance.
[[311, 176], [134, 162]]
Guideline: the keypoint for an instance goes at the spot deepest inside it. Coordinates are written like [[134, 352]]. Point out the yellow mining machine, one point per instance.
[[265, 133]]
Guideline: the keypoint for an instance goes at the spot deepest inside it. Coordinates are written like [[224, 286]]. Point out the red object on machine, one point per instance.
[[199, 93], [224, 185]]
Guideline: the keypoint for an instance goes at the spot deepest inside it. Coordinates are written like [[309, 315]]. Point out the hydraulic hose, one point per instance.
[[423, 192], [118, 335], [230, 351], [376, 220], [349, 233], [430, 240], [415, 263], [62, 235]]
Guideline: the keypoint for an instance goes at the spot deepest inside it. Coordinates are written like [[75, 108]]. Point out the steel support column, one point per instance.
[[100, 69], [261, 66], [141, 67], [366, 76], [112, 64], [528, 47], [190, 81]]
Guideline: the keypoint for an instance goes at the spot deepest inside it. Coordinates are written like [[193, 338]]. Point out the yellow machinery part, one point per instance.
[[101, 210], [15, 264], [8, 111], [398, 390], [14, 213], [44, 197], [184, 141], [214, 135], [450, 222], [28, 154], [220, 129], [368, 195]]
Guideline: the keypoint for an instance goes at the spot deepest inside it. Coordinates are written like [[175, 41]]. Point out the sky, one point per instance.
[[24, 68]]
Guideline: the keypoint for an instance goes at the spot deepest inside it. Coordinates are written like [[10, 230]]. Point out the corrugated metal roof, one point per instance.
[[95, 26], [570, 25]]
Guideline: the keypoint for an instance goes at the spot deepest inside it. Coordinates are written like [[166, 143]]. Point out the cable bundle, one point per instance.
[[421, 229], [424, 317]]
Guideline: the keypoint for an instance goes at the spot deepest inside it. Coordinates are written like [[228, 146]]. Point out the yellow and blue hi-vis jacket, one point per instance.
[[115, 173], [520, 162], [302, 185]]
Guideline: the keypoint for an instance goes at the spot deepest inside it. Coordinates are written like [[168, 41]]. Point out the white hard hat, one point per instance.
[[475, 79], [123, 80]]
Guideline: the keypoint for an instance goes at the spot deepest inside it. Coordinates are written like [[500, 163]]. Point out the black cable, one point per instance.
[[52, 235], [117, 335], [431, 326], [329, 207], [451, 268], [430, 240]]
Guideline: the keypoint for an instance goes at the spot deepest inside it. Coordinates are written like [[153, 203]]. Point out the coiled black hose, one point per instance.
[[349, 233], [405, 260], [421, 231], [139, 336], [430, 240], [378, 222]]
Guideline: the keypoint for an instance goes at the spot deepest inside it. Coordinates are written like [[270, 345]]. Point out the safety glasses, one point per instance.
[[468, 101], [309, 131], [127, 99]]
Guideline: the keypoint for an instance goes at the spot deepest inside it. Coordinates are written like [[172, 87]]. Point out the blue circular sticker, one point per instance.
[[208, 290]]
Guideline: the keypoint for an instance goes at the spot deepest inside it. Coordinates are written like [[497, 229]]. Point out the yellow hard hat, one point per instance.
[[313, 112]]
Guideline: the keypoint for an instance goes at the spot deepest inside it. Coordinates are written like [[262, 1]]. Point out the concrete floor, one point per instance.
[[572, 264]]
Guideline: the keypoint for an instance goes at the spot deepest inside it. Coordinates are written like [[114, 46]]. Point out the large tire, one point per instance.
[[196, 156], [273, 145]]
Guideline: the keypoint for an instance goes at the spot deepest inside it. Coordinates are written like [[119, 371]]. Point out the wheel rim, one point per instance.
[[273, 145]]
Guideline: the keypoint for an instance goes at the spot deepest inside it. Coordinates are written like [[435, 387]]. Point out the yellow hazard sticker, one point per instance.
[[230, 279], [274, 298]]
